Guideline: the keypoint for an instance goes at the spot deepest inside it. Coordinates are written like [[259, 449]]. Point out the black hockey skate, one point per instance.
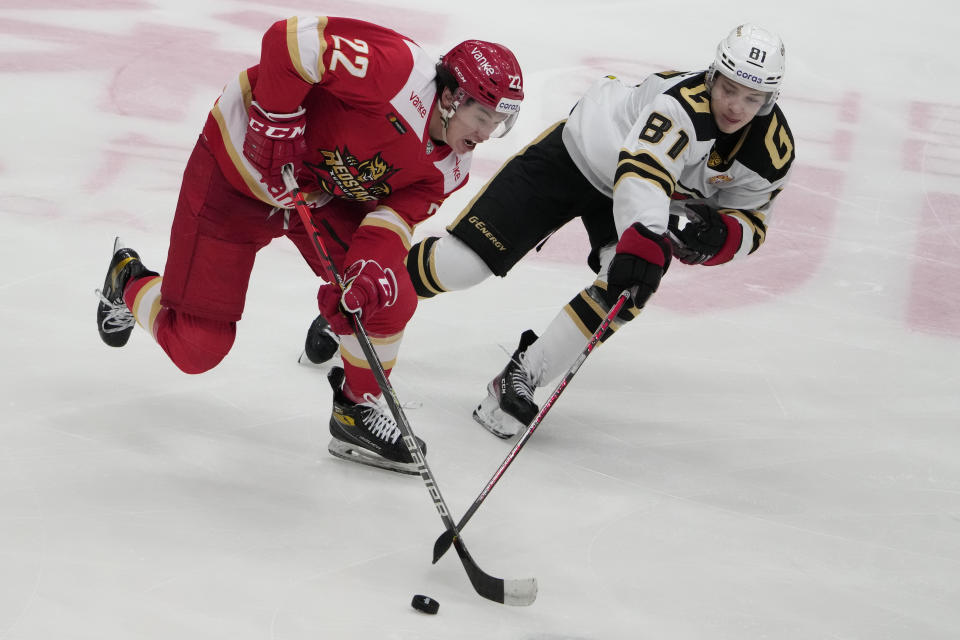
[[322, 343], [366, 432], [509, 406], [114, 320]]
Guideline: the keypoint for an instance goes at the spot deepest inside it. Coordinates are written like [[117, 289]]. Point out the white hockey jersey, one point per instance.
[[653, 146]]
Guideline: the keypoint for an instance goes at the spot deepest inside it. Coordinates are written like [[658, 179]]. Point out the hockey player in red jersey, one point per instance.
[[379, 133], [685, 165]]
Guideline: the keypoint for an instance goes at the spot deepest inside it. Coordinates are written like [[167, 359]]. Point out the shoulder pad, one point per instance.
[[769, 149], [693, 97]]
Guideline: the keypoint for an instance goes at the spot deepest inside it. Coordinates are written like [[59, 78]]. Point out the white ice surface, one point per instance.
[[771, 451]]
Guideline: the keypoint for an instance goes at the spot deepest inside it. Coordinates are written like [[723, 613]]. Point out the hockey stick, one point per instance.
[[513, 592], [449, 536]]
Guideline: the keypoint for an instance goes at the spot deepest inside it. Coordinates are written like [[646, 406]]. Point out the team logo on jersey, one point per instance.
[[719, 179], [715, 159], [343, 175]]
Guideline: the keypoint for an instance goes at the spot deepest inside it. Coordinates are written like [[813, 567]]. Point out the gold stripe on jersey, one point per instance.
[[726, 151], [256, 187], [754, 220], [689, 191], [245, 90], [646, 166], [322, 40], [296, 51], [386, 218], [736, 148], [293, 47], [469, 206]]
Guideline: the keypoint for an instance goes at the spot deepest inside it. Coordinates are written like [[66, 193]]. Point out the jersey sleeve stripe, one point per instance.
[[644, 165], [233, 126], [386, 218], [306, 46], [753, 221], [322, 42], [293, 49], [689, 191]]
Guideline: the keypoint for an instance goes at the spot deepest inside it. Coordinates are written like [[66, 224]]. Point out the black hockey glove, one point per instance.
[[704, 236], [641, 260]]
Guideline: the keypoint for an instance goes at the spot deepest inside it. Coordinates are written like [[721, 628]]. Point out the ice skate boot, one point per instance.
[[366, 432], [509, 406], [322, 343], [114, 321]]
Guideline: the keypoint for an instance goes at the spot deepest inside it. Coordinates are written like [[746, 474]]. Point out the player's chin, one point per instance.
[[727, 125]]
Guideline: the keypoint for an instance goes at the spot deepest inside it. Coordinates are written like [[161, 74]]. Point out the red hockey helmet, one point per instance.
[[490, 74]]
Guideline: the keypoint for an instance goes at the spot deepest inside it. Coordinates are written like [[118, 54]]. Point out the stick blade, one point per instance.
[[521, 592], [442, 545]]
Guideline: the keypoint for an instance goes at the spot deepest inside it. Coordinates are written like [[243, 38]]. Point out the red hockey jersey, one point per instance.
[[368, 93]]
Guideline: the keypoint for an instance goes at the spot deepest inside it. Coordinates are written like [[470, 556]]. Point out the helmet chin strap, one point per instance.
[[447, 114]]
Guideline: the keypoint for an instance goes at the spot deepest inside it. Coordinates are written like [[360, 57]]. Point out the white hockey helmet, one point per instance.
[[753, 57]]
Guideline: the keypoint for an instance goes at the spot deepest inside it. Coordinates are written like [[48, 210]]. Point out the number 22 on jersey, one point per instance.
[[358, 65]]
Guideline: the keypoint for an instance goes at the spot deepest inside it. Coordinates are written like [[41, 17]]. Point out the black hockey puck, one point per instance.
[[425, 604]]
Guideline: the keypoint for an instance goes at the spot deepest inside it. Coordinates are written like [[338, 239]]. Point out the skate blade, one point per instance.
[[335, 361], [492, 418], [346, 451]]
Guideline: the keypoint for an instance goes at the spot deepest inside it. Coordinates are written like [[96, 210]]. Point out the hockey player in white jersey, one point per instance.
[[685, 165]]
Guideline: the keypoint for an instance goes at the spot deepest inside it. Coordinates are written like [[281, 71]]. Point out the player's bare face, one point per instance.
[[472, 124], [733, 104]]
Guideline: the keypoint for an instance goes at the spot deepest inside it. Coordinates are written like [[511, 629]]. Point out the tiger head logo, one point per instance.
[[372, 170]]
